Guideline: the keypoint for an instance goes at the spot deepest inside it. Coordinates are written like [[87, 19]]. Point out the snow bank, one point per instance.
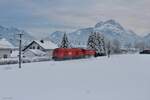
[[122, 77], [24, 60]]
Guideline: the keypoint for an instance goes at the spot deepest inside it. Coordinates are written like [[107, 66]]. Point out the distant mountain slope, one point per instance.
[[10, 34], [56, 37], [146, 40], [111, 29]]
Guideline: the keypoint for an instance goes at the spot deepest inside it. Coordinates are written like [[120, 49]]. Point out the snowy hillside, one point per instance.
[[146, 39], [111, 30], [122, 77], [5, 44], [56, 37], [10, 35]]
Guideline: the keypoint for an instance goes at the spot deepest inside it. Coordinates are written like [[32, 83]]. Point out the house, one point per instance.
[[5, 48], [45, 46]]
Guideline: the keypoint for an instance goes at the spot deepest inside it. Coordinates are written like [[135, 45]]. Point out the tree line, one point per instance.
[[96, 41]]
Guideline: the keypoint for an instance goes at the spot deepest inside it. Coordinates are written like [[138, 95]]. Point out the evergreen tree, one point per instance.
[[91, 41], [96, 42], [65, 42], [108, 48], [103, 44]]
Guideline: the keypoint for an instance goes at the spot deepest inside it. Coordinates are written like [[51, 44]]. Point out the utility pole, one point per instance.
[[108, 49], [20, 48]]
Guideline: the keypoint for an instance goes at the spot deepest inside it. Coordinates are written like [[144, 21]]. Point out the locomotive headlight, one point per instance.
[[70, 53]]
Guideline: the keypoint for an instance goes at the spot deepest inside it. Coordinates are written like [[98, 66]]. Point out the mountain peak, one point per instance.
[[114, 23], [111, 21], [99, 24], [108, 23]]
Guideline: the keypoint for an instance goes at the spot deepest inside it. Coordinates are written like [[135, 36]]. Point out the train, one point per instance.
[[146, 51], [72, 53]]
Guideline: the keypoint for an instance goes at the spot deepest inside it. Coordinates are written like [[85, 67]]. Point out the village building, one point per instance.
[[6, 48], [36, 46]]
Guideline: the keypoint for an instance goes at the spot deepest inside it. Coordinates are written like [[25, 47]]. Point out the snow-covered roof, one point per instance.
[[47, 44], [4, 44], [37, 52]]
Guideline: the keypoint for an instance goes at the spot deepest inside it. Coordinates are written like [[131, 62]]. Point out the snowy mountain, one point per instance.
[[80, 36], [10, 34], [146, 40], [56, 37], [4, 44], [111, 29], [121, 77]]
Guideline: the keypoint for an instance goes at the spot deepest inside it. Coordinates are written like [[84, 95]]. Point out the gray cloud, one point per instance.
[[50, 15]]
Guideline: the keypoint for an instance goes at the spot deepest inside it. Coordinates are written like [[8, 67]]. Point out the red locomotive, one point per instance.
[[72, 53]]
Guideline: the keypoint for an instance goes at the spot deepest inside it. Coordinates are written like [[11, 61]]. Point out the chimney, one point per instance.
[[42, 41]]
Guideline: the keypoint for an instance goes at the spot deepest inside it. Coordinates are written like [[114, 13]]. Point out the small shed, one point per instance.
[[5, 48]]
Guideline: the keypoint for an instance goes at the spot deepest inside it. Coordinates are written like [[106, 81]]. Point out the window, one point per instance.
[[38, 47], [5, 56]]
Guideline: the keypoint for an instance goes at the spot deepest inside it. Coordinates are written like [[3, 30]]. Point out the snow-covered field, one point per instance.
[[122, 77]]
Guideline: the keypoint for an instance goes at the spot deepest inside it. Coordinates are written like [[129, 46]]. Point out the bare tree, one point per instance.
[[108, 46], [116, 46]]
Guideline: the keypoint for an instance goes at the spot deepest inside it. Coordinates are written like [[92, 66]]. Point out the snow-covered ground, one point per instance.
[[122, 77]]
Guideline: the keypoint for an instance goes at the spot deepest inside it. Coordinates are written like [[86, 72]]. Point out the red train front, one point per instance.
[[71, 53]]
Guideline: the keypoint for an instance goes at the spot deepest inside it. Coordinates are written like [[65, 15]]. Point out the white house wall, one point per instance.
[[5, 52]]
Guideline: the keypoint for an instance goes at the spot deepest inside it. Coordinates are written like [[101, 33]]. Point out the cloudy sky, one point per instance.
[[46, 16]]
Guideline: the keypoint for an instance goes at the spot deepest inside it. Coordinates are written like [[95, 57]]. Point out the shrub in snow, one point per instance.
[[24, 60], [8, 61], [39, 59], [116, 46], [113, 47]]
